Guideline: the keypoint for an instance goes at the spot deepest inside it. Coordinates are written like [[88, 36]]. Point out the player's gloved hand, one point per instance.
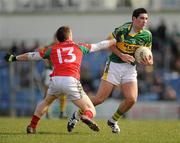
[[10, 58]]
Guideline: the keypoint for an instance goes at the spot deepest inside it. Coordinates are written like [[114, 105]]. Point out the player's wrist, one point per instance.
[[121, 54], [10, 58]]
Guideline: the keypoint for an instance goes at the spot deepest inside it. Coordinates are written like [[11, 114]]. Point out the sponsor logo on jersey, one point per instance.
[[127, 48], [141, 42]]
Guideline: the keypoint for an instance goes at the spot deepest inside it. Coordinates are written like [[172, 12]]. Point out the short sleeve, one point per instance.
[[85, 48]]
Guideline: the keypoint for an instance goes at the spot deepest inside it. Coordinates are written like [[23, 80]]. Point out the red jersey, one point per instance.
[[66, 57]]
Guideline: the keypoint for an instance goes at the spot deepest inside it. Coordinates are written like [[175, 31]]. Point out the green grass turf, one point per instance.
[[13, 130]]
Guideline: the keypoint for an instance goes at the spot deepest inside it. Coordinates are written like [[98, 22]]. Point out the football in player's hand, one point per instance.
[[142, 53]]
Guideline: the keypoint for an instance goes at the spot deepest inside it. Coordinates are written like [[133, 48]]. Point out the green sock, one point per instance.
[[117, 115]]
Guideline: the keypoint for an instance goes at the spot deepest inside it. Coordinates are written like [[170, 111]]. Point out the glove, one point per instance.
[[10, 58]]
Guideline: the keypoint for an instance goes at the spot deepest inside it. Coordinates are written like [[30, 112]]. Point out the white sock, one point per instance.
[[112, 120], [77, 116]]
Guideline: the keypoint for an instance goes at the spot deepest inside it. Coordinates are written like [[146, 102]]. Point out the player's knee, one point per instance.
[[46, 101], [98, 101], [131, 100], [93, 111]]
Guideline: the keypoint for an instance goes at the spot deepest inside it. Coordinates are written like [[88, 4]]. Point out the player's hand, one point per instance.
[[10, 58], [127, 58], [147, 60]]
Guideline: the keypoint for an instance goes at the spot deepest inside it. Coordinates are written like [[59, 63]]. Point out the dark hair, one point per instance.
[[62, 34], [138, 11]]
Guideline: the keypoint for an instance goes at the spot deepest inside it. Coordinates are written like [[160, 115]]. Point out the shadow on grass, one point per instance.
[[46, 133], [10, 133], [63, 133]]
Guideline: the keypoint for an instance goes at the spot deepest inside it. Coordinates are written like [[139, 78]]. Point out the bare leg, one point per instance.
[[130, 92], [45, 93], [104, 90], [88, 112], [85, 104], [43, 106]]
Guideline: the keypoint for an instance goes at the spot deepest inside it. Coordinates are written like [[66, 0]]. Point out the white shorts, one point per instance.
[[47, 72], [69, 86], [119, 73]]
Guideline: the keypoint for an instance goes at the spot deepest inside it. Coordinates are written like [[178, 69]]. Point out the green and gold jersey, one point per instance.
[[127, 43]]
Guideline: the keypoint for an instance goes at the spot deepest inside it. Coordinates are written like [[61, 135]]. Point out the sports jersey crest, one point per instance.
[[141, 42]]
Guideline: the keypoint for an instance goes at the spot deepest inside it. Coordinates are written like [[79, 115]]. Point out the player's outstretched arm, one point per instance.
[[102, 45], [30, 56]]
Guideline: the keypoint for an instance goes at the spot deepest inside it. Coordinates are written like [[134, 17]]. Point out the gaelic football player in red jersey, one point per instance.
[[66, 57], [47, 71]]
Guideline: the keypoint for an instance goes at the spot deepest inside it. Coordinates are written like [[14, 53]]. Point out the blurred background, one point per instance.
[[26, 25]]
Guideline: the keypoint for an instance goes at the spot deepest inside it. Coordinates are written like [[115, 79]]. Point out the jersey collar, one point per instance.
[[129, 30]]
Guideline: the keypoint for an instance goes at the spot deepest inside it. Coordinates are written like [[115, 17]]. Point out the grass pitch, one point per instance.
[[13, 130]]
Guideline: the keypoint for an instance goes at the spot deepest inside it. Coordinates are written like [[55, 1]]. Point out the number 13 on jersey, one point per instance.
[[69, 53]]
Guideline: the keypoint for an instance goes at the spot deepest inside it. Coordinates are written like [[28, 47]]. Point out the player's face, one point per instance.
[[141, 21]]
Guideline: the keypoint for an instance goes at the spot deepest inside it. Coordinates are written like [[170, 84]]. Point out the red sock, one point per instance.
[[88, 113], [34, 121]]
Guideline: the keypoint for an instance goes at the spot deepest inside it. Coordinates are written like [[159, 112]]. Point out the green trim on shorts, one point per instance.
[[105, 74], [80, 88]]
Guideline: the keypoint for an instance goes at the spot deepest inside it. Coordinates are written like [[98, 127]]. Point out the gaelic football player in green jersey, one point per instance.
[[121, 72]]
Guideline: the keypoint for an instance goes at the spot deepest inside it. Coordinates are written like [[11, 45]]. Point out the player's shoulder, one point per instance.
[[84, 47], [126, 25], [147, 35], [123, 29], [42, 49], [70, 43], [45, 47], [146, 32], [83, 44]]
